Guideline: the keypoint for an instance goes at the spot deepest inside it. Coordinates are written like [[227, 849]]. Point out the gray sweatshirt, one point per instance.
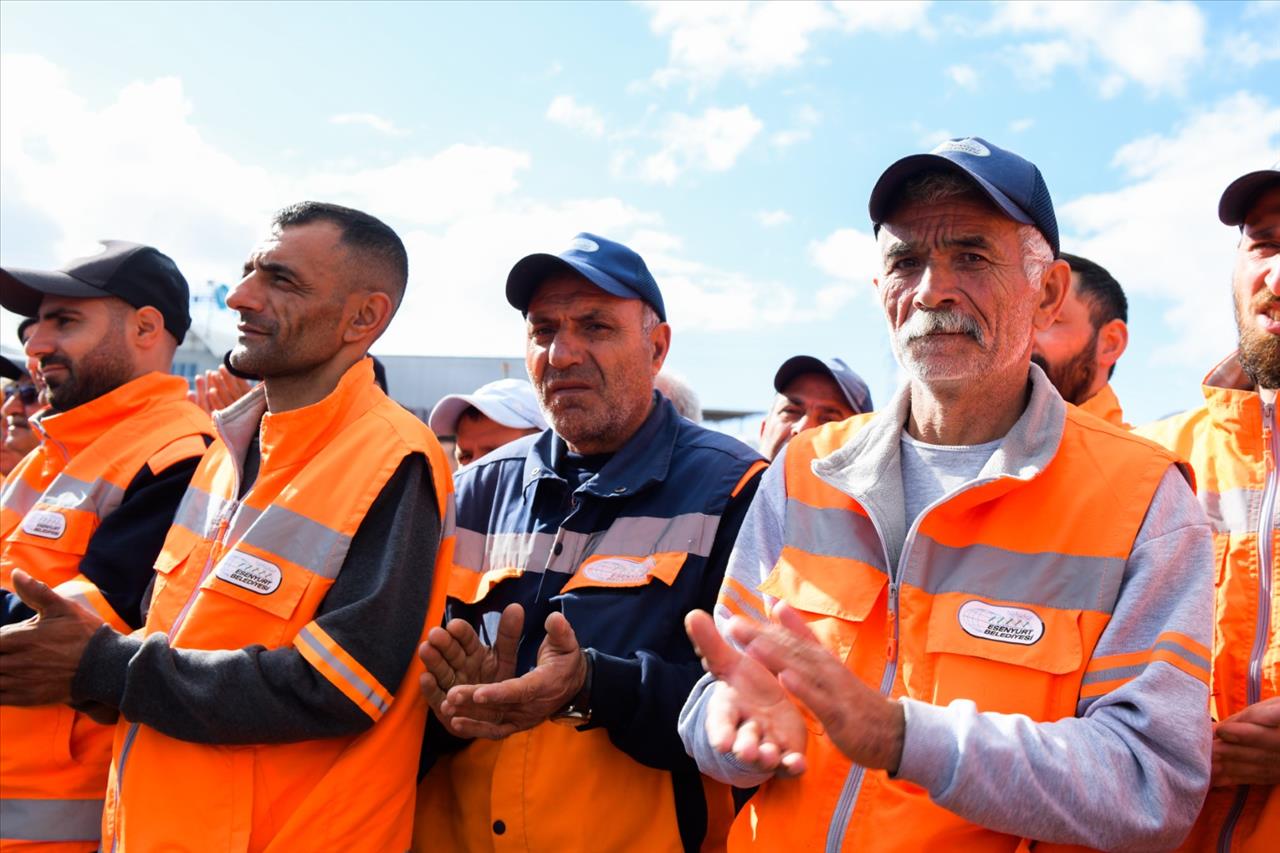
[[1130, 770]]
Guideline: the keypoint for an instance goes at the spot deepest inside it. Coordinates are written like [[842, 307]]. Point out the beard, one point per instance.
[[100, 372], [1259, 351], [1073, 378]]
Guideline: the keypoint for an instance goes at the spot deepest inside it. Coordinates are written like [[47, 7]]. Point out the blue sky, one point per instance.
[[733, 145]]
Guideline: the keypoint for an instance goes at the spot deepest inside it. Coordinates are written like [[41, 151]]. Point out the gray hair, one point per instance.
[[936, 185], [649, 319], [680, 394]]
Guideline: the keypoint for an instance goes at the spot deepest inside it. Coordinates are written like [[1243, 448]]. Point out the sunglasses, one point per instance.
[[28, 394]]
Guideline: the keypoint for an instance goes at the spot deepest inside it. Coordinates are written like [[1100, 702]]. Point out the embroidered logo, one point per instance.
[[618, 570], [249, 572], [582, 244], [1003, 624], [44, 523], [964, 146]]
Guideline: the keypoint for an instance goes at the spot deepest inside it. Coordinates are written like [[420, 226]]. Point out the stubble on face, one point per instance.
[[104, 368], [1259, 351], [1074, 377]]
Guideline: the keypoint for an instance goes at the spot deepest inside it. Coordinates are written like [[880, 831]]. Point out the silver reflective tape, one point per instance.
[[362, 687], [50, 820], [194, 511], [18, 496], [750, 607], [482, 553], [240, 523], [298, 539], [833, 533], [640, 536], [450, 517], [1063, 581], [1184, 653], [1233, 511], [1131, 671], [98, 497]]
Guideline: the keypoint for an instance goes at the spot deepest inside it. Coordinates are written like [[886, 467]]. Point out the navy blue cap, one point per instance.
[[1013, 184], [140, 275], [610, 266], [851, 384], [1239, 196]]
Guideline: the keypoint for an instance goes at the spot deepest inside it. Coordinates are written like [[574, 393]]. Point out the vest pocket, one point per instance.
[[1009, 657], [255, 581], [834, 599]]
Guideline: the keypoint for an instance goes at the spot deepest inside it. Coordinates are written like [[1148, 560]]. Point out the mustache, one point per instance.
[[577, 373], [925, 322], [55, 360], [260, 322]]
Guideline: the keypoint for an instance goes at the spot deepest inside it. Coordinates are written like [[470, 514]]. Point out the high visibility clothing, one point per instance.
[[1106, 405], [1001, 594], [237, 572], [53, 760], [624, 556], [1233, 445]]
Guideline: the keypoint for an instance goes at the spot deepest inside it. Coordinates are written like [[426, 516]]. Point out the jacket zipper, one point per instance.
[[853, 781], [1262, 626], [224, 519]]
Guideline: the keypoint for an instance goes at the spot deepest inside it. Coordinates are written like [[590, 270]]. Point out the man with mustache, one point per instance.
[[810, 392], [271, 700], [87, 512], [1232, 444], [978, 617], [1080, 350], [560, 673]]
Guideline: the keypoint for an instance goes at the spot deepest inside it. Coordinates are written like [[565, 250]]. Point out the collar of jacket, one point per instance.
[[295, 436], [76, 429], [1106, 405], [642, 461], [1231, 398], [869, 468]]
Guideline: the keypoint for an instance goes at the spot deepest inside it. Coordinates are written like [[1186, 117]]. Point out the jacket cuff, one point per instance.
[[615, 684], [929, 753], [104, 667]]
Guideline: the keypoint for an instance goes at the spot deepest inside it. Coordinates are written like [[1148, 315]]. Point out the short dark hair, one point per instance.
[[1101, 292], [371, 239], [1100, 289]]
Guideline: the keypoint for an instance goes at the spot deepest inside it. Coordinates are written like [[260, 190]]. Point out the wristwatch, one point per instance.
[[578, 710]]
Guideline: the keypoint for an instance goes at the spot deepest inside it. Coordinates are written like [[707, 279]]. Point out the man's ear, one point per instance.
[[1053, 292], [147, 327], [660, 341], [372, 315], [1113, 339]]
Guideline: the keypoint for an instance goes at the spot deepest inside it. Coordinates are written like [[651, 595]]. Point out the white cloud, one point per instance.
[[772, 218], [787, 138], [1159, 233], [1021, 125], [369, 120], [712, 141], [964, 76], [1250, 46], [1155, 45], [707, 41], [852, 259], [566, 111], [137, 167]]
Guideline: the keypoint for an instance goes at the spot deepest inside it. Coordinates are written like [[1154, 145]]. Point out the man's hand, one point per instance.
[[513, 705], [38, 657], [217, 389], [454, 655], [748, 713], [1246, 746], [867, 727]]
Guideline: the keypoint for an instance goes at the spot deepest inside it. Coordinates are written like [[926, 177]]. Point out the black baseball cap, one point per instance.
[[140, 275], [10, 370], [1241, 194], [608, 265], [851, 385], [1013, 184], [27, 322]]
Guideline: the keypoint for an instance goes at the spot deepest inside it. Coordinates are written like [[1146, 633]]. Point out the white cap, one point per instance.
[[510, 402]]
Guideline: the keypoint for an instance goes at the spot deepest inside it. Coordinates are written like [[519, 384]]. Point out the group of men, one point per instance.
[[979, 617]]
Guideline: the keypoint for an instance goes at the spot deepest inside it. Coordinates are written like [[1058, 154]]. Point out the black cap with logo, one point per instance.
[[140, 275]]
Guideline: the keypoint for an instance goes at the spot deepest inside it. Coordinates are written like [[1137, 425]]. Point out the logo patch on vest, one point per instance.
[[618, 570], [249, 572], [44, 523], [1003, 624]]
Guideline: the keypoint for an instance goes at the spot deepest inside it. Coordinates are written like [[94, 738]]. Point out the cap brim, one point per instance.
[[1240, 194], [531, 271], [443, 419], [9, 370], [21, 291], [885, 192], [801, 364]]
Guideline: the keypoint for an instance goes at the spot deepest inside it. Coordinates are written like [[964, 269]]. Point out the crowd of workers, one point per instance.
[[989, 615]]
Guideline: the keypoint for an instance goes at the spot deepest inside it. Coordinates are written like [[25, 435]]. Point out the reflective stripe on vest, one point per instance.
[[50, 820]]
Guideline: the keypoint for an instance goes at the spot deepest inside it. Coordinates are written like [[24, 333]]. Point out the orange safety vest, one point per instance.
[[53, 761], [254, 571], [1232, 444], [1106, 405], [1075, 522]]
